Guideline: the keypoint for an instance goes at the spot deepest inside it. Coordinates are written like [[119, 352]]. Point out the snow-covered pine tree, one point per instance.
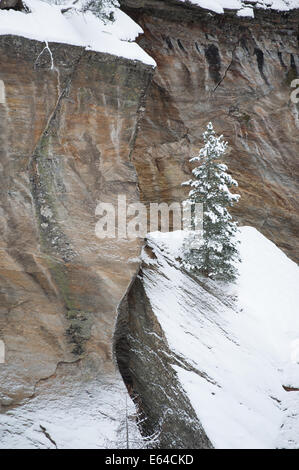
[[217, 253], [102, 9]]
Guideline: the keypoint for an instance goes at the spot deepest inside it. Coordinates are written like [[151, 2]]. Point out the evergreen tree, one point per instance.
[[216, 254], [102, 9]]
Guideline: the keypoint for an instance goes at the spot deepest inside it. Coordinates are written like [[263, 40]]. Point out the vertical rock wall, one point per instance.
[[68, 122], [235, 72]]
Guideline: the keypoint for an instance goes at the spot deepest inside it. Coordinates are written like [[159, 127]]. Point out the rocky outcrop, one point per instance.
[[237, 73], [145, 361], [68, 122], [7, 4]]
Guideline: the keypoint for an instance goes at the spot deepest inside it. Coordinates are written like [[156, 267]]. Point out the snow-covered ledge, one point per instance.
[[47, 23], [244, 7]]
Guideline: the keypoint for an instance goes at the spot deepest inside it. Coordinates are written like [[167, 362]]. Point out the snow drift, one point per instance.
[[241, 342]]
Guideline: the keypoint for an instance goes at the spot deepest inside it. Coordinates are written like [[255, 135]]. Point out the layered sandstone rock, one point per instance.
[[235, 72], [68, 121], [68, 139]]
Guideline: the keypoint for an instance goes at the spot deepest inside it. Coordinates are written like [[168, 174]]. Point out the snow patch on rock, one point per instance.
[[219, 6], [46, 23], [94, 414]]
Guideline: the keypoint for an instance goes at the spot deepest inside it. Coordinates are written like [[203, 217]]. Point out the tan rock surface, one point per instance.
[[68, 141], [235, 72], [66, 137]]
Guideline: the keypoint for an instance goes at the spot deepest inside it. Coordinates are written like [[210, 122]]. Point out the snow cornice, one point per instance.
[[190, 10]]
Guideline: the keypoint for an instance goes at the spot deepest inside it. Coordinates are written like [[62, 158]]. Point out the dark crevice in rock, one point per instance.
[[140, 112], [243, 42], [45, 432], [293, 63], [169, 43], [197, 48], [226, 71], [145, 363], [180, 44], [214, 61], [281, 60], [260, 63]]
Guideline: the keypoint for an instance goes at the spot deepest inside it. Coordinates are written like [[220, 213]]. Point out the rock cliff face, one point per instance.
[[69, 138], [68, 122], [235, 72], [145, 362]]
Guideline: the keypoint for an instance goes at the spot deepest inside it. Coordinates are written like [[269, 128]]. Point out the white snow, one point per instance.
[[93, 414], [218, 6], [246, 11], [247, 350], [46, 23]]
